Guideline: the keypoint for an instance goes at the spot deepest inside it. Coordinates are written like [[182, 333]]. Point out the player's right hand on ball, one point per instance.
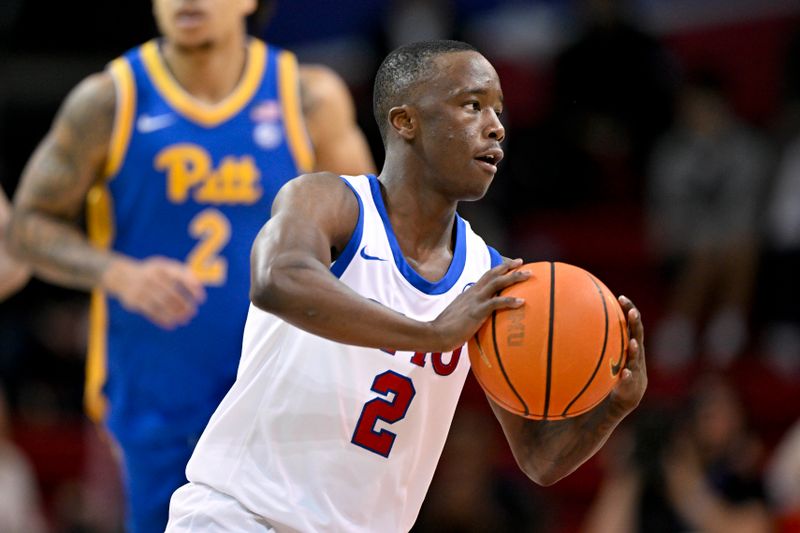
[[163, 290], [462, 318]]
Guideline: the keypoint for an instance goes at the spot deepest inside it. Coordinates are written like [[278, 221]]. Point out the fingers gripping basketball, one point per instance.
[[558, 355]]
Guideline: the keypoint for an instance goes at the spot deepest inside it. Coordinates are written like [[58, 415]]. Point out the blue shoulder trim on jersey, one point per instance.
[[495, 256], [340, 265], [456, 265]]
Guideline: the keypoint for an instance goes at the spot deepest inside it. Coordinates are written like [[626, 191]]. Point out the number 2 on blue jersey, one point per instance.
[[388, 410], [212, 229]]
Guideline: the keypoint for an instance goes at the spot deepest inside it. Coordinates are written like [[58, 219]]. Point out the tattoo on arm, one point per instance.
[[52, 192], [309, 101], [59, 252], [566, 444]]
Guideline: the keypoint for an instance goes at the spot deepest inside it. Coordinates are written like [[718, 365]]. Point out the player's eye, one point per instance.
[[474, 105]]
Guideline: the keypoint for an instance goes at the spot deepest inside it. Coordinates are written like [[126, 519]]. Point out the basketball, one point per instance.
[[558, 355]]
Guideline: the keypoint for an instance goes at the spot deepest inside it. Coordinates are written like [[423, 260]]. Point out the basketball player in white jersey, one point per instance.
[[353, 359]]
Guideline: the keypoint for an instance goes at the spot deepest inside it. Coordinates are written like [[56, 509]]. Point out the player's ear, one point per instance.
[[249, 6], [404, 121]]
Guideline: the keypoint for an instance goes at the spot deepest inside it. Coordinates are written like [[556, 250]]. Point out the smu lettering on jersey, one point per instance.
[[321, 436], [192, 182]]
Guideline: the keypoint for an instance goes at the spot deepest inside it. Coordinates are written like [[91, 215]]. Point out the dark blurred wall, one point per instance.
[[45, 49]]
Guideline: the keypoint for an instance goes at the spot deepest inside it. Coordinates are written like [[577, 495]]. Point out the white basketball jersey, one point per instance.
[[321, 436]]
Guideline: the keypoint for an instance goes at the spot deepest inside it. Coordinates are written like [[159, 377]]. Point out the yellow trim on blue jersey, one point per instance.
[[100, 227], [94, 401], [99, 216], [289, 90], [183, 102], [123, 119]]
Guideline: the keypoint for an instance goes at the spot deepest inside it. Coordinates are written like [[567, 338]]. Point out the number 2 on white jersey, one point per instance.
[[390, 411]]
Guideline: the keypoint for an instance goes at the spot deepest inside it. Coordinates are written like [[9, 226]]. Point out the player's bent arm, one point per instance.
[[339, 144], [313, 218], [53, 188], [44, 229], [550, 450]]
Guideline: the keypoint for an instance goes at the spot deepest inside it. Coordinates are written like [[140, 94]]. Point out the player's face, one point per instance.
[[460, 128], [200, 23]]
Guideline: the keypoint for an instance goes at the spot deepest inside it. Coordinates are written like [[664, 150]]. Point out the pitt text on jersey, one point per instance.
[[189, 168], [189, 172]]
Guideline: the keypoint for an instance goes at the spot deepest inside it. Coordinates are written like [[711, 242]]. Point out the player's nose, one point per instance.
[[494, 128]]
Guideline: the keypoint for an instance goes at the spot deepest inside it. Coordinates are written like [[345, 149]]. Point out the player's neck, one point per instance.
[[424, 230], [420, 217], [209, 72]]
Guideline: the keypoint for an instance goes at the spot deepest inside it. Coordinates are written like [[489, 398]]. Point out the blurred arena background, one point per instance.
[[655, 143]]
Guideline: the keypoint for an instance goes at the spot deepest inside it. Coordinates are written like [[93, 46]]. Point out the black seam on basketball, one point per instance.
[[507, 406], [616, 367], [602, 352], [550, 338], [502, 368]]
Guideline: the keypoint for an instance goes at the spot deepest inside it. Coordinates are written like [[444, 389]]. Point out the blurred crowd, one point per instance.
[[655, 143]]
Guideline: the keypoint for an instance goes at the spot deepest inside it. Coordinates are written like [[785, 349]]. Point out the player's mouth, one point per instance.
[[489, 159], [189, 18]]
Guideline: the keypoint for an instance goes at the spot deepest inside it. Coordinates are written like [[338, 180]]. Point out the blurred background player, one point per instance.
[[782, 480], [695, 467], [177, 150], [20, 508], [707, 180]]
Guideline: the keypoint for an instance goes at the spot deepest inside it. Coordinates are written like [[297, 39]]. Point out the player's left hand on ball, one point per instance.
[[633, 380]]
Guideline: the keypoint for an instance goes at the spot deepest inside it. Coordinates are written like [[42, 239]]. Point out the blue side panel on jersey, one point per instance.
[[340, 265], [422, 284], [495, 256]]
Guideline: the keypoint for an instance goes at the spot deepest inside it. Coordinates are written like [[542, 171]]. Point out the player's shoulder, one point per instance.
[[95, 92], [315, 181], [321, 84], [321, 198], [324, 188], [89, 108], [322, 75]]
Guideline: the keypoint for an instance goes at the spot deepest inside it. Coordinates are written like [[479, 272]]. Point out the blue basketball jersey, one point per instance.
[[193, 182]]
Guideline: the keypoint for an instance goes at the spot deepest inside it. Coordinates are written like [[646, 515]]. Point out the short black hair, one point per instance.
[[403, 69]]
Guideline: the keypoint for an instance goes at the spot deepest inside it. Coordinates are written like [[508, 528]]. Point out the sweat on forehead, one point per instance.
[[405, 67]]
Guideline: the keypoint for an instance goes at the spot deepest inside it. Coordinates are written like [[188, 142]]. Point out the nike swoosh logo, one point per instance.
[[368, 257], [151, 123]]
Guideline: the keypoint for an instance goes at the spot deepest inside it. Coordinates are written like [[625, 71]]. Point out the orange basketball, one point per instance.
[[558, 355]]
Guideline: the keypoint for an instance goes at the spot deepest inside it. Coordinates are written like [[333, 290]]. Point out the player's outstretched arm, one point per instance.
[[549, 450], [339, 144], [44, 228], [313, 218]]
